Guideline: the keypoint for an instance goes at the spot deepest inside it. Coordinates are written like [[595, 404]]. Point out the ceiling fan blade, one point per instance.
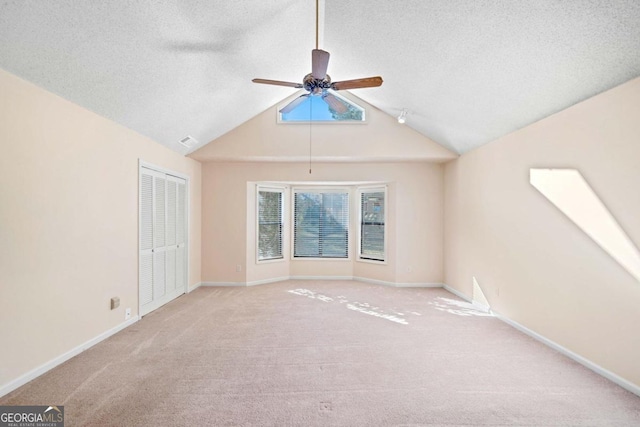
[[277, 83], [335, 104], [319, 63], [293, 104], [357, 83]]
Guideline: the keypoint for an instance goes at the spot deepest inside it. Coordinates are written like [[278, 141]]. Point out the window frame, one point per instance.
[[348, 190], [271, 189], [372, 189]]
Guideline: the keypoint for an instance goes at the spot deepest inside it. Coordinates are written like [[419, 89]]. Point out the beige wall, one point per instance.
[[381, 139], [69, 223], [534, 265], [414, 218]]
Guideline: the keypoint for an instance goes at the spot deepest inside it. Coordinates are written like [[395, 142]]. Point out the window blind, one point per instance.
[[372, 225], [269, 225], [321, 225]]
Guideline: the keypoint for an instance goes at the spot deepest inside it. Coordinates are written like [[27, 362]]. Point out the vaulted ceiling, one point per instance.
[[467, 71]]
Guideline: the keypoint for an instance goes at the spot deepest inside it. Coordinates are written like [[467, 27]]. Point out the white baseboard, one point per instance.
[[33, 374], [244, 284], [475, 304], [627, 385], [194, 287], [267, 281], [418, 285], [396, 284], [358, 279], [321, 278], [458, 293], [273, 280], [207, 284]]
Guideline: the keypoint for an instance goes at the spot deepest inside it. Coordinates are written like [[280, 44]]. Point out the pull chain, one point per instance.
[[310, 99], [310, 125]]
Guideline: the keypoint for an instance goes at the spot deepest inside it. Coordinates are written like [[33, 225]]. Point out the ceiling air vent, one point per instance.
[[188, 141]]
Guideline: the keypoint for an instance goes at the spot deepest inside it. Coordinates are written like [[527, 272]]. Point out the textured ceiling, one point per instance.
[[467, 71]]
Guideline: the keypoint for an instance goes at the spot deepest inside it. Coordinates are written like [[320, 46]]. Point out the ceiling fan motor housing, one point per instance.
[[316, 86]]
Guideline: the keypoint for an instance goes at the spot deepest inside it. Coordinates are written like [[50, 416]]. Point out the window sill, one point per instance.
[[371, 261], [269, 261]]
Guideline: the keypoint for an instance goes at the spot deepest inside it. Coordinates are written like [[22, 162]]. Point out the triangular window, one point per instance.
[[315, 109]]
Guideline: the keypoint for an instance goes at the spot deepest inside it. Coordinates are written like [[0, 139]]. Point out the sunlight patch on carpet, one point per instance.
[[360, 307], [310, 294], [372, 312], [459, 308]]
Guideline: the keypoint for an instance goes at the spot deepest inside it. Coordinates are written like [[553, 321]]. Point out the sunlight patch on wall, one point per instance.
[[569, 192], [478, 295]]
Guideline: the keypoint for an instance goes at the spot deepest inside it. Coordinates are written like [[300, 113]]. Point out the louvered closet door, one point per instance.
[[176, 233], [171, 247], [181, 234], [146, 238], [159, 236], [162, 239]]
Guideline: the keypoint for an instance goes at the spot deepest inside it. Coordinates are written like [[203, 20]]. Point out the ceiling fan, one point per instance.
[[318, 82]]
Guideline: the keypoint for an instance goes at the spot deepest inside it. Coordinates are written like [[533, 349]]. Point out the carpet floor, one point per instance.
[[326, 353]]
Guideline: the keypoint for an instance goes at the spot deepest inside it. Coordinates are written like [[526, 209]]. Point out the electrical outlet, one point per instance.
[[127, 314], [238, 268]]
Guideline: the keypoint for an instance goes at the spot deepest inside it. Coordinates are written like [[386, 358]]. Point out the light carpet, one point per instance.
[[326, 353]]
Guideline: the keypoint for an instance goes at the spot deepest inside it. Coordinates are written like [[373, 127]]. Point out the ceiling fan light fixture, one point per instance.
[[402, 118], [318, 81]]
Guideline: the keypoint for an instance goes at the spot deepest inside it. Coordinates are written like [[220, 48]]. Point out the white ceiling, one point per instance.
[[468, 71]]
